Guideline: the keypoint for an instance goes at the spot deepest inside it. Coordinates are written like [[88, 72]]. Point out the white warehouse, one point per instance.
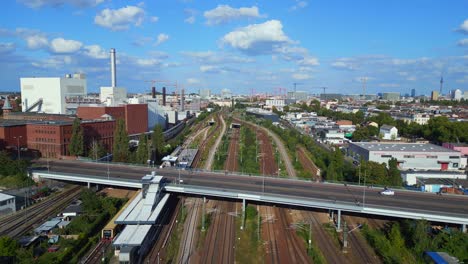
[[409, 155], [7, 204], [49, 94]]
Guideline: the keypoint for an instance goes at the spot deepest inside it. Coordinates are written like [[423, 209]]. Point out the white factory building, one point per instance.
[[49, 94], [409, 155], [7, 204]]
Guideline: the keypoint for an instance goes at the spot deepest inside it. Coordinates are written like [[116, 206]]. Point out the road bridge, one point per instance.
[[357, 199]]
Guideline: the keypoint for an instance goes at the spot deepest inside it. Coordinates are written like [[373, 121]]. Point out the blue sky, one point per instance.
[[240, 45]]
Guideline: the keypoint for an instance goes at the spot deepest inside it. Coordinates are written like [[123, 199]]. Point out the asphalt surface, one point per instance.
[[454, 205]]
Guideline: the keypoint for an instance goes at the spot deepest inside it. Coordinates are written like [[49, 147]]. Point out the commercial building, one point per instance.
[[7, 204], [457, 95], [49, 95], [393, 97], [205, 93], [12, 134], [260, 113], [409, 155], [412, 177], [434, 95], [413, 92]]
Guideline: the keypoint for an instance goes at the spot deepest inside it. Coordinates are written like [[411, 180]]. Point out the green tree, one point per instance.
[[157, 140], [394, 175], [76, 142], [8, 246], [96, 150], [142, 151], [120, 147]]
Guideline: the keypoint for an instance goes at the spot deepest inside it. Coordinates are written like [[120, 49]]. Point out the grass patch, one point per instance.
[[314, 253], [174, 240], [331, 230], [248, 248]]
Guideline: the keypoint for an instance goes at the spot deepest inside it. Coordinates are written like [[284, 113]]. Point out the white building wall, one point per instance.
[[113, 96], [418, 160], [156, 114], [53, 92], [7, 203], [411, 177]]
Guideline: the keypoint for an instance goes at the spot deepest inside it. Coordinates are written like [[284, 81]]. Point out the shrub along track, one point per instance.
[[203, 148], [307, 163], [357, 245]]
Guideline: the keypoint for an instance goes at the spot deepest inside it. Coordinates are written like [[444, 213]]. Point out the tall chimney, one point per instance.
[[113, 70], [182, 100], [164, 95], [153, 92]]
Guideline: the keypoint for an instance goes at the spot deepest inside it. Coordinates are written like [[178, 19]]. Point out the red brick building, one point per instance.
[[134, 115], [11, 133], [52, 138]]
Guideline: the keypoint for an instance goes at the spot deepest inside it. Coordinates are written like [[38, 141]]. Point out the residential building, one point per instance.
[[393, 97], [298, 96], [277, 103], [388, 132], [205, 93], [421, 119], [434, 95], [408, 155], [457, 95], [59, 89]]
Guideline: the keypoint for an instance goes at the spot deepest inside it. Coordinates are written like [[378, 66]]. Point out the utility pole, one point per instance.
[[203, 214]]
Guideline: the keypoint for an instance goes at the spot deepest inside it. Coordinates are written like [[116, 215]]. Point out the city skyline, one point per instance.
[[205, 45]]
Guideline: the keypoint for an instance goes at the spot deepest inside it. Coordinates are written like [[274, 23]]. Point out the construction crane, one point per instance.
[[296, 84]]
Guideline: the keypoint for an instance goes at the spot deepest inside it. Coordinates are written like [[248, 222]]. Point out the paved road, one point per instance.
[[211, 154], [403, 200]]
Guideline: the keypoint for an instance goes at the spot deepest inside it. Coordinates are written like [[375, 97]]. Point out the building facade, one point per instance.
[[391, 97], [409, 155], [35, 98], [388, 132], [7, 204]]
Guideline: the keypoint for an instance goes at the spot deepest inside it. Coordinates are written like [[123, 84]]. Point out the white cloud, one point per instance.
[[60, 45], [7, 47], [154, 19], [344, 64], [224, 13], [162, 38], [301, 76], [309, 61], [55, 62], [58, 3], [464, 27], [298, 5], [147, 62], [257, 38], [120, 19], [193, 81], [190, 15], [463, 42], [209, 68], [37, 41], [215, 58], [96, 52]]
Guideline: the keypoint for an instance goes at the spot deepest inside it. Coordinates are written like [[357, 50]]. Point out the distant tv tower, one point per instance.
[[441, 83]]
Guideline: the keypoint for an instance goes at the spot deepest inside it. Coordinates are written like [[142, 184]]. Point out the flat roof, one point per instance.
[[132, 235], [4, 196], [403, 147]]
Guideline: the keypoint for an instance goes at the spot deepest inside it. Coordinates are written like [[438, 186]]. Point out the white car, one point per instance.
[[387, 192]]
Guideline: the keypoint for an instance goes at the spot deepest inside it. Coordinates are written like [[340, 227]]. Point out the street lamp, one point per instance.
[[18, 146], [108, 171]]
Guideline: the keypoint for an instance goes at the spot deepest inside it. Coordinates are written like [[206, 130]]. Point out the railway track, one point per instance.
[[219, 239], [358, 246], [97, 254], [202, 148], [323, 240], [231, 161], [158, 249], [189, 235], [21, 222]]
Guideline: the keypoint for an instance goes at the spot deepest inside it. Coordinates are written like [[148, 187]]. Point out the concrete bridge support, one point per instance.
[[243, 214], [89, 185], [463, 228], [338, 222]]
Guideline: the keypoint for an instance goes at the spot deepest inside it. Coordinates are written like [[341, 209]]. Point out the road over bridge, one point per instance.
[[405, 204]]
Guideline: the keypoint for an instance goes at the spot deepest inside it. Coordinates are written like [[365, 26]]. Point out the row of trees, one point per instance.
[[407, 242], [122, 152]]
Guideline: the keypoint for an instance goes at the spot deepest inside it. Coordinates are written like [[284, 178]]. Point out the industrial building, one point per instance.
[[411, 177], [49, 95], [408, 155], [7, 204]]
